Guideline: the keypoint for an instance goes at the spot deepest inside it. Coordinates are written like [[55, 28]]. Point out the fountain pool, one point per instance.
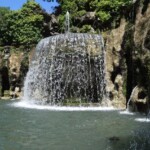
[[43, 129], [69, 69]]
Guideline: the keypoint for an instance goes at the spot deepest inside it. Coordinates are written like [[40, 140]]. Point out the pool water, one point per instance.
[[24, 128]]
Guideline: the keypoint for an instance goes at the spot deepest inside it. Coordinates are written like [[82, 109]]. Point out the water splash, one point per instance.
[[27, 105], [142, 119], [126, 112]]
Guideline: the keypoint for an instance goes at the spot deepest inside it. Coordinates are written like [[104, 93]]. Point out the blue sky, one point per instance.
[[17, 4]]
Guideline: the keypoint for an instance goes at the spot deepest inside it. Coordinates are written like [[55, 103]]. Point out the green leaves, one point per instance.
[[106, 11], [23, 27], [86, 29], [3, 26], [103, 16]]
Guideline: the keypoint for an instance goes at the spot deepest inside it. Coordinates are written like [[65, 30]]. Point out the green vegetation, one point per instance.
[[27, 25], [22, 27], [3, 26], [106, 11]]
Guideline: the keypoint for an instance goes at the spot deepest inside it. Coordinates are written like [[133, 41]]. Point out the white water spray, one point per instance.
[[67, 68], [67, 22], [128, 103], [127, 111], [27, 105]]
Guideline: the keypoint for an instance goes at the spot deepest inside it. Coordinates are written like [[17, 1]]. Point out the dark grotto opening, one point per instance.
[[4, 80]]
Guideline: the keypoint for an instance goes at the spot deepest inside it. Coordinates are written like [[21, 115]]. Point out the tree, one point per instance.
[[24, 26], [3, 27], [106, 11]]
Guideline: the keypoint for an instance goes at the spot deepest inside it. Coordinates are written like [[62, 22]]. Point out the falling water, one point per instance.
[[67, 68], [127, 111], [128, 103]]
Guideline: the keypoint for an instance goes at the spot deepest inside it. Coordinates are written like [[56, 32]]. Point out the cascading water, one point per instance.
[[127, 111], [67, 68]]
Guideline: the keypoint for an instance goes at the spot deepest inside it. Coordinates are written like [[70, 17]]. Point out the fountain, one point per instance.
[[67, 22], [67, 68], [127, 111], [128, 103]]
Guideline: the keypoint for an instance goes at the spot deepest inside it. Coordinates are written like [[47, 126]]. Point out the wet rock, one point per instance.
[[138, 95], [114, 63], [139, 100], [128, 57]]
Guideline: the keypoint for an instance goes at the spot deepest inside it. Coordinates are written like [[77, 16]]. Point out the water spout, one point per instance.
[[67, 22], [131, 97], [127, 111]]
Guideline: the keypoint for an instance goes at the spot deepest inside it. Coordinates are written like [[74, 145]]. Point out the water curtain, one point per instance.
[[67, 68]]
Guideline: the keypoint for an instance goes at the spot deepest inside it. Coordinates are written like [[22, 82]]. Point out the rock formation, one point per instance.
[[128, 59]]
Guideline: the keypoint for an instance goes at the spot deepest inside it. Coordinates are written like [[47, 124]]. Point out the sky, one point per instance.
[[17, 4]]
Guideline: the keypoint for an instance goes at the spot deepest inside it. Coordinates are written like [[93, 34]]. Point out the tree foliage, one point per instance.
[[29, 24], [24, 26], [3, 27], [106, 11]]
